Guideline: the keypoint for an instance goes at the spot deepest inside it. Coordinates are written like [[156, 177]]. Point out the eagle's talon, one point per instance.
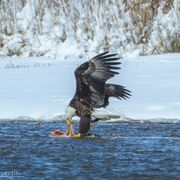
[[76, 135]]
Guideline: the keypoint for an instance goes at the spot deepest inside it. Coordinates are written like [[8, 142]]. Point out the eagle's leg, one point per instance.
[[84, 125]]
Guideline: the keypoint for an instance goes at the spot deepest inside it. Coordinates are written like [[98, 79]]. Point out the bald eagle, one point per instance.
[[92, 91]]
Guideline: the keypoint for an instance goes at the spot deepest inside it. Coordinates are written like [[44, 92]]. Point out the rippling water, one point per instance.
[[130, 150]]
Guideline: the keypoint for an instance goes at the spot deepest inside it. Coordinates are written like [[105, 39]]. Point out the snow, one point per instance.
[[155, 83], [49, 28], [40, 88]]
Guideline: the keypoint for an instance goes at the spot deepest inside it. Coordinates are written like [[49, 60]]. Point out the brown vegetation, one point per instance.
[[108, 15]]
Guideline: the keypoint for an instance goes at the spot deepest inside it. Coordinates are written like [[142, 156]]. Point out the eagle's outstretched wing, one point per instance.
[[114, 90], [91, 77]]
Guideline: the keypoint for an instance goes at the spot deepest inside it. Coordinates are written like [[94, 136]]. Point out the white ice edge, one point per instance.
[[41, 88]]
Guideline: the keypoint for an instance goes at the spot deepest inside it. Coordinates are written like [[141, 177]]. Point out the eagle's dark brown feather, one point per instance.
[[91, 88]]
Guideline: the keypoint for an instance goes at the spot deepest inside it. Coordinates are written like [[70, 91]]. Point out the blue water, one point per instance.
[[122, 151]]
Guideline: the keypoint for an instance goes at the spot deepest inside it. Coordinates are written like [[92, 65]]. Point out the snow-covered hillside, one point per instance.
[[40, 88], [58, 28]]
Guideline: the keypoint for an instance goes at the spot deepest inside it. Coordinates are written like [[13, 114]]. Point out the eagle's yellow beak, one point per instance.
[[68, 122], [69, 131]]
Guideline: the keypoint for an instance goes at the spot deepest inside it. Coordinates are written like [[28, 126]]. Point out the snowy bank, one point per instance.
[[58, 28], [40, 88]]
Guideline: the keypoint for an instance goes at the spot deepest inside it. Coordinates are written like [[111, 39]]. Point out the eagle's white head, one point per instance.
[[70, 112]]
